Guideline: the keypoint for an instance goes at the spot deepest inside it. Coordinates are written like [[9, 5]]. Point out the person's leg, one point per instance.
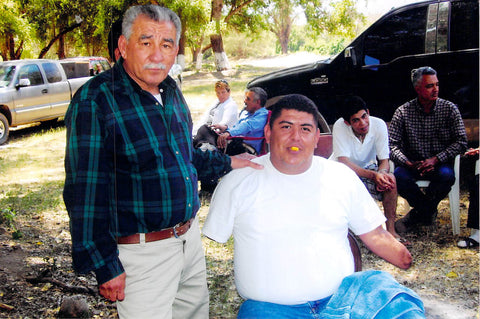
[[373, 294], [205, 135], [158, 274], [389, 201], [441, 181], [472, 222], [407, 186], [153, 274], [192, 297]]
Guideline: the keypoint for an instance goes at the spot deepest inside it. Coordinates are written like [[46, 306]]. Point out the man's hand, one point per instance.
[[219, 128], [222, 140], [244, 160], [427, 165], [384, 181], [114, 289]]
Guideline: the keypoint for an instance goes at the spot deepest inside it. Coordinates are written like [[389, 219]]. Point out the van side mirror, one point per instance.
[[23, 83], [351, 57]]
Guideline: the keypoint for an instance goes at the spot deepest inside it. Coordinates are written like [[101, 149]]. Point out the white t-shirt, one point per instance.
[[375, 144], [290, 231]]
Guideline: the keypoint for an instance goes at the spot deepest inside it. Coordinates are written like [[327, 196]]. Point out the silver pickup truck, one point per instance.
[[33, 91]]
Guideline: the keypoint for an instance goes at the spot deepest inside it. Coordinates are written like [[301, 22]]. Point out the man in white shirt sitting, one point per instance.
[[223, 112], [360, 141], [290, 223]]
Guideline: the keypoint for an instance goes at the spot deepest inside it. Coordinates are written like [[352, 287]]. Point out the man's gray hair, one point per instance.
[[153, 12], [259, 94], [417, 74]]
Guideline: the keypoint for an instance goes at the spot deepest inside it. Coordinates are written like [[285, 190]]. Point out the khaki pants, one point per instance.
[[165, 278]]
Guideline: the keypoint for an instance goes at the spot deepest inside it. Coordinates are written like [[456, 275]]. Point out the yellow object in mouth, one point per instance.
[[294, 148]]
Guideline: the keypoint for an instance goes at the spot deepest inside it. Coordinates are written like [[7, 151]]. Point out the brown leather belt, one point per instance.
[[175, 231]]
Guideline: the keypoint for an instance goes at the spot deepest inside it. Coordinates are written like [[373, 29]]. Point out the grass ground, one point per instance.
[[31, 165]]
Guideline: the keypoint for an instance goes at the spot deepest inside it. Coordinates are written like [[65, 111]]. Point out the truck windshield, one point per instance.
[[6, 74]]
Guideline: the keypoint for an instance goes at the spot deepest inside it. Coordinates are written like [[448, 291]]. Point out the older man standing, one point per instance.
[[425, 136], [131, 179]]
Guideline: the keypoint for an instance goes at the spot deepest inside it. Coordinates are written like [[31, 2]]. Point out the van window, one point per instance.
[[399, 35], [464, 25], [52, 72]]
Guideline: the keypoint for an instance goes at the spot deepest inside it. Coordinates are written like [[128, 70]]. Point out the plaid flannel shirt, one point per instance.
[[130, 167], [415, 135]]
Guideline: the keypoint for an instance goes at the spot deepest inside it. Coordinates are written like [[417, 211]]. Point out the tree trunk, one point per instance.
[[61, 48], [221, 59]]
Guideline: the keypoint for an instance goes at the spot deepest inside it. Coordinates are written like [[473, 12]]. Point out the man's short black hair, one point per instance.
[[296, 102], [351, 105], [113, 35]]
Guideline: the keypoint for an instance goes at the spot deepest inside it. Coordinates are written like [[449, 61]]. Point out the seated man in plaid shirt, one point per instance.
[[426, 134]]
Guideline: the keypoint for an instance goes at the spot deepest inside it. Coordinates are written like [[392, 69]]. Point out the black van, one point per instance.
[[377, 64]]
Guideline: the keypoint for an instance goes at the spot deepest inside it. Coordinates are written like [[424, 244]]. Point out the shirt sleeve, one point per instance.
[[396, 137], [459, 138], [381, 140], [86, 193], [211, 164], [230, 114], [253, 124], [220, 220], [340, 139]]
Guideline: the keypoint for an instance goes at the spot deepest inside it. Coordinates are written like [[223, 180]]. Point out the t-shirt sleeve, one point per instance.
[[218, 225], [381, 143], [364, 213], [340, 139]]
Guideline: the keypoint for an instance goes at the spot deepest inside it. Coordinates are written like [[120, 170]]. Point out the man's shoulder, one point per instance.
[[340, 127]]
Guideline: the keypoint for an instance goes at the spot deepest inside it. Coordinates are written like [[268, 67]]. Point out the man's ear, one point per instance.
[[122, 46], [267, 132]]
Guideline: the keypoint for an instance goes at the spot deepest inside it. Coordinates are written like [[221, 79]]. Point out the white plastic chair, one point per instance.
[[453, 195]]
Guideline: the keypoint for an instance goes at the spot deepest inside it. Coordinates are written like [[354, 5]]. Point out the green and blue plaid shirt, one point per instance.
[[130, 166]]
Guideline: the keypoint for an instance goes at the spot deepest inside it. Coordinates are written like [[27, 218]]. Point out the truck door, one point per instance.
[[391, 48], [59, 89], [31, 97]]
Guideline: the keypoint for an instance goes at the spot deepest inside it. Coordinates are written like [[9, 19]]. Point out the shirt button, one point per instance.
[[187, 178], [176, 152], [189, 205]]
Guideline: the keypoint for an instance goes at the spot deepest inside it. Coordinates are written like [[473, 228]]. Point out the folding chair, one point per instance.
[[263, 149], [453, 195], [356, 252]]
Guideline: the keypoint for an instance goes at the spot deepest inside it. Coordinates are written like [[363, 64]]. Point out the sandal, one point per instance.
[[467, 242]]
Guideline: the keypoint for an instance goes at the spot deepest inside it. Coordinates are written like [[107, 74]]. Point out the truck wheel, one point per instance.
[[4, 129]]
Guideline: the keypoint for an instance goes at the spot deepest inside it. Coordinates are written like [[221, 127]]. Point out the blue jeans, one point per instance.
[[363, 295], [441, 181], [257, 309]]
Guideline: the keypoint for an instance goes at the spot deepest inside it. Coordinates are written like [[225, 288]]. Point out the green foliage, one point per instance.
[[242, 45], [8, 217]]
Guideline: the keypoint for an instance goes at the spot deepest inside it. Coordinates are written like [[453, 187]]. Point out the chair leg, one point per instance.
[[454, 198]]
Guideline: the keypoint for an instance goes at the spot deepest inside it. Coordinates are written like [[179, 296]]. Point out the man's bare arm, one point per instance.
[[384, 245]]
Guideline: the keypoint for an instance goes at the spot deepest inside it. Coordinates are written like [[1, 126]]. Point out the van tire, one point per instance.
[[4, 129]]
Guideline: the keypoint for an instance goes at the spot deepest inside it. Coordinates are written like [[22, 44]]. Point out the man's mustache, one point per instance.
[[160, 66]]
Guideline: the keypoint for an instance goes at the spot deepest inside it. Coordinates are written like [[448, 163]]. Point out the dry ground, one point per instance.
[[445, 276]]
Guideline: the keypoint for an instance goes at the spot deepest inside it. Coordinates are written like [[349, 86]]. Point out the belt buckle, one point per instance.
[[175, 230]]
